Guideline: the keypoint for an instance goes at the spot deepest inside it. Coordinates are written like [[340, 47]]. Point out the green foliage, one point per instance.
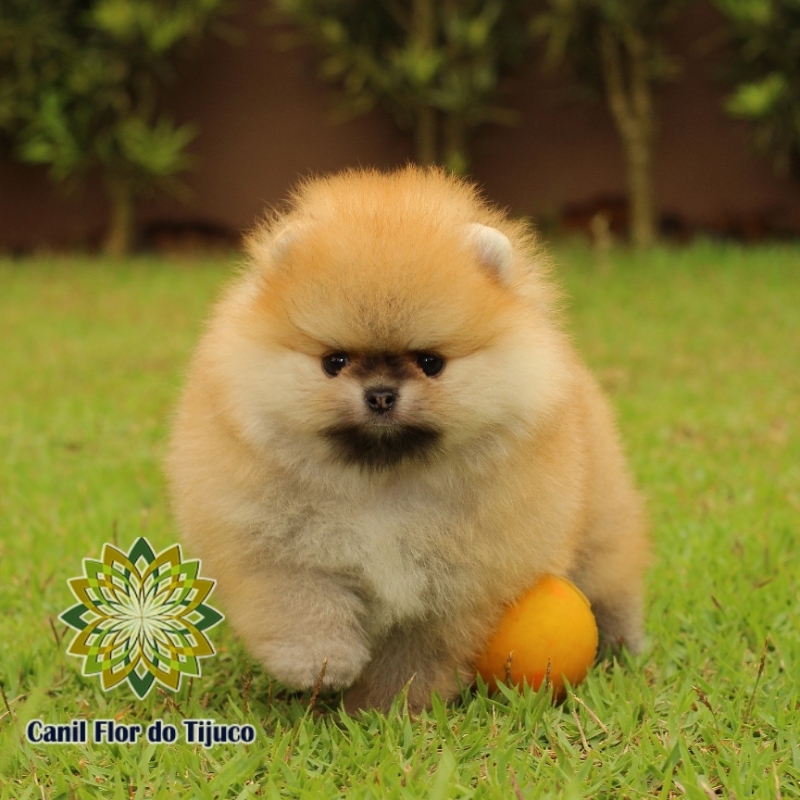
[[766, 69], [80, 84], [571, 30], [30, 38], [435, 65], [615, 47]]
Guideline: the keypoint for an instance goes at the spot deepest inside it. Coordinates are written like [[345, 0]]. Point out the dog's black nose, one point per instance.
[[380, 399]]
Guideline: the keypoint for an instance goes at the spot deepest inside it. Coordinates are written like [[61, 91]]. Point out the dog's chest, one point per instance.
[[391, 552]]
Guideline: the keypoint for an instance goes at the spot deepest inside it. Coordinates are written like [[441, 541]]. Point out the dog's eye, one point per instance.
[[334, 363], [430, 364]]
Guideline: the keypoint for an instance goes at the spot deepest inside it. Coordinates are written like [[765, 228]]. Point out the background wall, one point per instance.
[[265, 120]]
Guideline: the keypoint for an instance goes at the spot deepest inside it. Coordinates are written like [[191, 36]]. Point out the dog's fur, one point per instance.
[[386, 545]]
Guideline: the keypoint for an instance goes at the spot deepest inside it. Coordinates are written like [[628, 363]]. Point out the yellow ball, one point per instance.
[[551, 624]]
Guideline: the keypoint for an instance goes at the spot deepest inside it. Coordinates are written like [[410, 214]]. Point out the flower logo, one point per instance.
[[141, 617]]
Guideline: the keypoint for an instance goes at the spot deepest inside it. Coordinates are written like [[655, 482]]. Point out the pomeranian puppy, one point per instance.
[[386, 438]]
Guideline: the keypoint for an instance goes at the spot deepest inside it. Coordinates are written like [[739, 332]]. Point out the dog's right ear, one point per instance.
[[284, 239], [271, 244]]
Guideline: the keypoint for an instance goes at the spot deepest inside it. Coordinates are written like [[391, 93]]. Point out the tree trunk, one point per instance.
[[629, 95], [426, 134], [119, 236], [639, 161], [455, 144]]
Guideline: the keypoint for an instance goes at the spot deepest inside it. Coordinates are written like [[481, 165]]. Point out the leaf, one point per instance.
[[157, 150], [115, 17], [757, 99], [749, 13], [49, 139], [419, 65], [440, 787]]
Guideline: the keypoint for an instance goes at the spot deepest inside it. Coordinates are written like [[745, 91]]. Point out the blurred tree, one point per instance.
[[615, 47], [766, 68], [79, 91], [434, 65]]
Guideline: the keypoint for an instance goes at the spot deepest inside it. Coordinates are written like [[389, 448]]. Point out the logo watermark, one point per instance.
[[141, 617], [205, 732]]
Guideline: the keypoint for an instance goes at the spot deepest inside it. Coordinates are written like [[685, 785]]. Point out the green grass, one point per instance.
[[700, 350]]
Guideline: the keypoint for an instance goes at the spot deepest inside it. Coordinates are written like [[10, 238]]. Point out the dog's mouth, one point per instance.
[[380, 447]]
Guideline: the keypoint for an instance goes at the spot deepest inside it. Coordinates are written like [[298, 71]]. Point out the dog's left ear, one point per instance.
[[493, 249]]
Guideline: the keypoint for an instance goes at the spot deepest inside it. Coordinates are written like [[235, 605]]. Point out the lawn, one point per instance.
[[700, 351]]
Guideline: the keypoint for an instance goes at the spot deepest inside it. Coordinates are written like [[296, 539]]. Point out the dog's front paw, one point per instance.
[[306, 663]]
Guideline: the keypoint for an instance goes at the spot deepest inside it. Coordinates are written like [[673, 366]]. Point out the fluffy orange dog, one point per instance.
[[386, 437]]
